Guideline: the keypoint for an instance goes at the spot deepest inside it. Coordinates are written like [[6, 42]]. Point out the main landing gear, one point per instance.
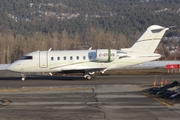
[[87, 76]]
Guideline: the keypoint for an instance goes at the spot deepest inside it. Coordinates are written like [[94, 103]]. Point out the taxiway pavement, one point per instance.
[[69, 98]]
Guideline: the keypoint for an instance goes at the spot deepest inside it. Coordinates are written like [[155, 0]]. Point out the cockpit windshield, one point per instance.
[[26, 58]]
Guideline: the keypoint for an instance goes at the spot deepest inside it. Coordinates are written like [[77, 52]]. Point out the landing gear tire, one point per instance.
[[23, 79], [88, 77], [23, 76]]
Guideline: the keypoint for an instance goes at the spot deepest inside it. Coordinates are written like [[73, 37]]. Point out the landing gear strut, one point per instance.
[[23, 76]]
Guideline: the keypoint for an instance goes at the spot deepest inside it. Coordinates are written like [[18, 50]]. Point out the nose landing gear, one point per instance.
[[23, 76]]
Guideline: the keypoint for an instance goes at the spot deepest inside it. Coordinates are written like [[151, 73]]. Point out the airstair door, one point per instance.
[[43, 59]]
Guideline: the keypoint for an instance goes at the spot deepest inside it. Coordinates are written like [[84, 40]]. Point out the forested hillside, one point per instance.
[[29, 25]]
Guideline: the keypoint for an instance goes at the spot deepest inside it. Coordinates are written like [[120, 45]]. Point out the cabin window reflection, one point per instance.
[[77, 57], [26, 58], [84, 57]]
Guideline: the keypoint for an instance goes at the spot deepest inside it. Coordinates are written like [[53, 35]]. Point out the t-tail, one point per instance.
[[149, 41]]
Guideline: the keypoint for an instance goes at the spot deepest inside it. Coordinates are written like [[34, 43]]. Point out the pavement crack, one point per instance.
[[105, 116], [95, 95]]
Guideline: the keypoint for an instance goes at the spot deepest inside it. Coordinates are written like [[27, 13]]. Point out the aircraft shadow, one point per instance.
[[36, 77]]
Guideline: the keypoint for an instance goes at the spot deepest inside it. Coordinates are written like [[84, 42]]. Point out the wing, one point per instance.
[[90, 71], [78, 68]]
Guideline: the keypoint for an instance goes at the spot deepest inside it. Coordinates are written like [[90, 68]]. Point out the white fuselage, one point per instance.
[[74, 60]]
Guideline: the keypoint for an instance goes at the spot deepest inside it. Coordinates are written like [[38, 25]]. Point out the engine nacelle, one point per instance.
[[106, 55]]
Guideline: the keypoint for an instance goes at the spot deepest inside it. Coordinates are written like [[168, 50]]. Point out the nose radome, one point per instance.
[[12, 67], [9, 67]]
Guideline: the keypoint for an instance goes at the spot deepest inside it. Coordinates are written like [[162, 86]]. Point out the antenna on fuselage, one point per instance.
[[50, 49], [90, 48]]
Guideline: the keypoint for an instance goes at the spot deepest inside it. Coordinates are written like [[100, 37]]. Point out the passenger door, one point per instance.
[[43, 59]]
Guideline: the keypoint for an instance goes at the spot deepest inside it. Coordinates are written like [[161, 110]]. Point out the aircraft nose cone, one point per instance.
[[9, 68], [12, 67]]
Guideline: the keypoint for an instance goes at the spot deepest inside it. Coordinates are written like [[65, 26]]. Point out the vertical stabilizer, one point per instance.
[[149, 41]]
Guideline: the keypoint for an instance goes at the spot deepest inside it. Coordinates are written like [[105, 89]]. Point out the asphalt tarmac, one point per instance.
[[75, 98]]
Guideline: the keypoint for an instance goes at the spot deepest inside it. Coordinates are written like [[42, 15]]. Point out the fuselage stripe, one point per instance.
[[109, 55], [148, 40]]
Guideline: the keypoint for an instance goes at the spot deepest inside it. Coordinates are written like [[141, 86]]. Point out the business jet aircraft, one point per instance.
[[90, 61]]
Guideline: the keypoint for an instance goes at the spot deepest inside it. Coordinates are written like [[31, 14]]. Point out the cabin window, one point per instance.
[[71, 58], [26, 58], [64, 58], [77, 57], [84, 57], [58, 58], [52, 58]]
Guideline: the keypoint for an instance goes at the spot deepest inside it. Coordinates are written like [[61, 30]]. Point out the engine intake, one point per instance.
[[106, 55]]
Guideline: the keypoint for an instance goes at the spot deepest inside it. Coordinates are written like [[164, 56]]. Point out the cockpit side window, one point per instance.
[[26, 58]]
